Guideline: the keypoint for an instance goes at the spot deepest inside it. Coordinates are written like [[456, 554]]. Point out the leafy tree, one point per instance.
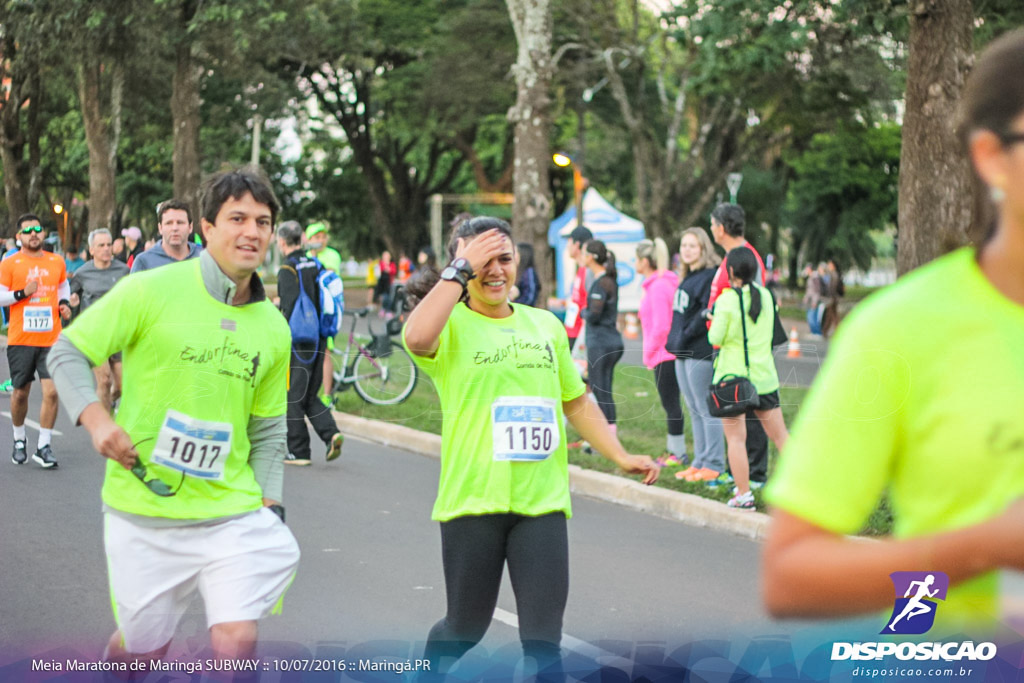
[[844, 186], [383, 72]]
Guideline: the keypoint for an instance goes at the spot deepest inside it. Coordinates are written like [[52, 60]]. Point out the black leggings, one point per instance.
[[600, 369], [474, 550], [668, 391]]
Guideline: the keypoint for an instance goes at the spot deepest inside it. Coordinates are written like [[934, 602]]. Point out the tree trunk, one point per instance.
[[101, 117], [531, 114], [185, 103], [12, 139], [935, 182]]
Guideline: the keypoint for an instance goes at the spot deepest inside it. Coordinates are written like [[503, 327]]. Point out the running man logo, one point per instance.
[[916, 595]]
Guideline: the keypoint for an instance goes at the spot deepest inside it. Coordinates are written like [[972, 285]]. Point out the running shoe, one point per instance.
[[671, 461], [683, 474], [744, 501], [723, 480], [290, 459], [44, 458], [704, 474], [20, 455], [7, 386], [328, 401], [334, 448]]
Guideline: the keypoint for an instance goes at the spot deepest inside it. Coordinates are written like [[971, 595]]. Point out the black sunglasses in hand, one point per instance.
[[157, 486]]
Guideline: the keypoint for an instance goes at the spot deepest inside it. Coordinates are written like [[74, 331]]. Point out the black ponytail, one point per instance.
[[741, 263], [604, 256]]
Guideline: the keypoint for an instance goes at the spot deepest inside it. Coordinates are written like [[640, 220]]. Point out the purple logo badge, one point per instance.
[[916, 595]]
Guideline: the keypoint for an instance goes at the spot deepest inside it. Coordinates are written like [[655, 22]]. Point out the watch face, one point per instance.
[[448, 273]]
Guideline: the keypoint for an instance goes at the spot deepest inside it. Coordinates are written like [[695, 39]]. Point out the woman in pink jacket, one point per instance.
[[660, 285]]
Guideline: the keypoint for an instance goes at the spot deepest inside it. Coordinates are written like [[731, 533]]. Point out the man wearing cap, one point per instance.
[[34, 284], [577, 300], [133, 245], [316, 236], [174, 221]]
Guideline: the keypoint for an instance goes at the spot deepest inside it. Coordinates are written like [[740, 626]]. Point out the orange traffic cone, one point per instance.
[[632, 330], [794, 344]]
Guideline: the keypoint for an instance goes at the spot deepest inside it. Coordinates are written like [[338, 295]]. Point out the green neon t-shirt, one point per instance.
[[329, 258], [502, 383], [727, 332], [193, 366], [920, 396]]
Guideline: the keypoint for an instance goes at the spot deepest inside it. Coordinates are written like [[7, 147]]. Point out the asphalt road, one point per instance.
[[370, 578]]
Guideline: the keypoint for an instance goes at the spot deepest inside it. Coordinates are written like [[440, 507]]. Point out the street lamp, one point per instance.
[[561, 159], [63, 228]]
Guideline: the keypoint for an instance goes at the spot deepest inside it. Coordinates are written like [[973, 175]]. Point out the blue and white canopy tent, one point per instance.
[[617, 230]]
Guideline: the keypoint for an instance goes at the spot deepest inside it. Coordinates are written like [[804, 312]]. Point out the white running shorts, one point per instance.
[[242, 568]]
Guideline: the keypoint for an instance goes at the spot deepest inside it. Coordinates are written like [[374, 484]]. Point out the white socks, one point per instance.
[[19, 432], [44, 437], [676, 445]]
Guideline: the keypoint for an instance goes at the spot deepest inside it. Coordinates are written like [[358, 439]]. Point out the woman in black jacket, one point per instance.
[[604, 343], [688, 341]]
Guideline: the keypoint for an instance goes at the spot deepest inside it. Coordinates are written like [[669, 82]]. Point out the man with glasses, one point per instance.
[[97, 277], [34, 284], [196, 452], [174, 221]]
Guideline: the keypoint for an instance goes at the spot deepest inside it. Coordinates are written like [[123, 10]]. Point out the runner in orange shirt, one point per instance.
[[34, 284]]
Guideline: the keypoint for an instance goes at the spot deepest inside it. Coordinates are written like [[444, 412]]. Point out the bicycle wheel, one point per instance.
[[385, 381]]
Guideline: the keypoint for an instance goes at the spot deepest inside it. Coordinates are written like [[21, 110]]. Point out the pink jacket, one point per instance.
[[656, 315]]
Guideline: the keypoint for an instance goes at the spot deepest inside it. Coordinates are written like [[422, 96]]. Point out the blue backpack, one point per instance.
[[304, 322], [332, 302]]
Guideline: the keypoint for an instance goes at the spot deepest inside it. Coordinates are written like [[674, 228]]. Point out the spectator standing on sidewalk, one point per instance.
[[742, 327], [604, 342], [812, 299], [834, 292], [659, 289], [688, 341], [940, 433], [727, 225]]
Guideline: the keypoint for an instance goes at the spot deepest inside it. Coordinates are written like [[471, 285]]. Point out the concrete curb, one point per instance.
[[674, 505]]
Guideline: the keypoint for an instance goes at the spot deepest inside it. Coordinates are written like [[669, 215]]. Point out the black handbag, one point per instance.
[[733, 395]]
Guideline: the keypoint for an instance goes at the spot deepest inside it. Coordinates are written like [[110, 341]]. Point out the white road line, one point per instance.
[[568, 642], [33, 424]]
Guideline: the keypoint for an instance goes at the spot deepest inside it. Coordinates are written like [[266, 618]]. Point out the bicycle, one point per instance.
[[382, 373]]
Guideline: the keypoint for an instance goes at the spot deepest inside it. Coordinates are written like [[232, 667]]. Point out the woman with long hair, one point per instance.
[[528, 285], [688, 342], [659, 288], [919, 399], [505, 377], [604, 343], [742, 327]]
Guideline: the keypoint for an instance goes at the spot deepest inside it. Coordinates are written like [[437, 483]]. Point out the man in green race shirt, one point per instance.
[[193, 487], [316, 236]]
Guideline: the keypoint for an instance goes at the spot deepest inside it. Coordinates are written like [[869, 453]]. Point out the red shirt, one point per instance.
[[577, 302]]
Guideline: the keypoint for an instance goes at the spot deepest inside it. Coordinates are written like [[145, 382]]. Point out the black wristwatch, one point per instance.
[[277, 510], [459, 271]]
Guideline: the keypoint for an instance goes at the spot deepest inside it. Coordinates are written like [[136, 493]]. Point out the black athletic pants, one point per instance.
[[303, 401], [757, 448], [600, 370], [668, 391], [474, 550]]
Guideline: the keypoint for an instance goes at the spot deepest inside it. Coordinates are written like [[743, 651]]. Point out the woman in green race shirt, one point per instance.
[[505, 378], [919, 399]]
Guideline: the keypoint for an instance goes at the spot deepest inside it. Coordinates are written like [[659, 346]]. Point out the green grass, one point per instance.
[[641, 429]]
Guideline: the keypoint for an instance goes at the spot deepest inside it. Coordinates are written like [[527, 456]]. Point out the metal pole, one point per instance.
[[436, 236], [257, 127]]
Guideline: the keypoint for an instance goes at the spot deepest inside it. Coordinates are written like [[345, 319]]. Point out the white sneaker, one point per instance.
[[744, 501]]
